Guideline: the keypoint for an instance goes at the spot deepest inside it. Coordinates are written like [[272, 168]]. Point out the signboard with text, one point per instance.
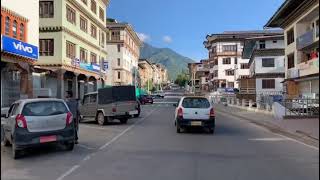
[[19, 48]]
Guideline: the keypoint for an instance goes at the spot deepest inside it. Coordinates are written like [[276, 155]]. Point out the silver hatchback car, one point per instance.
[[33, 122]]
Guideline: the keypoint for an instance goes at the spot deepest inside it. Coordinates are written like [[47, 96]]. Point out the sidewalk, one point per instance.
[[301, 128]]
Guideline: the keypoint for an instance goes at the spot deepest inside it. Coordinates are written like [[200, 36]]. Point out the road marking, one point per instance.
[[267, 130], [86, 147], [68, 172], [269, 139], [92, 127], [123, 132]]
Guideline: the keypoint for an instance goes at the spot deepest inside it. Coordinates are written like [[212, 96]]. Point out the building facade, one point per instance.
[[19, 49], [123, 46], [300, 21], [72, 47], [266, 61], [227, 67], [146, 71]]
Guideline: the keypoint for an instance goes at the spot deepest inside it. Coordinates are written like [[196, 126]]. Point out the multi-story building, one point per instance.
[[146, 74], [199, 75], [227, 67], [123, 46], [19, 48], [266, 61], [72, 46], [300, 21]]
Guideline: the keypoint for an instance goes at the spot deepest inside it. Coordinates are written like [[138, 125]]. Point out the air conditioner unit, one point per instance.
[[42, 92]]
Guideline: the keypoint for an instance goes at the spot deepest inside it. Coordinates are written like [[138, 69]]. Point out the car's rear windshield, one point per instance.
[[195, 103], [44, 108]]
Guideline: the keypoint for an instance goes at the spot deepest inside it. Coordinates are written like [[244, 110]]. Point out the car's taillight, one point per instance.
[[180, 113], [69, 118], [114, 109], [212, 112], [21, 121]]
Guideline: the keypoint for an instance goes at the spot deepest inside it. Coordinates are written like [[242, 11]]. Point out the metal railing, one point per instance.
[[305, 39], [301, 107]]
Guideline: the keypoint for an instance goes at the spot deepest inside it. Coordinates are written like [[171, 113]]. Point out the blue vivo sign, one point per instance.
[[20, 48]]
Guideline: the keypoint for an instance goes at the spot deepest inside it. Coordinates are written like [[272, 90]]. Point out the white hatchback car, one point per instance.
[[194, 111]]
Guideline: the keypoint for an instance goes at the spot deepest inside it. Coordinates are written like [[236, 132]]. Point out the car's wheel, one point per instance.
[[211, 130], [178, 129], [69, 146], [101, 119], [124, 120], [136, 115], [15, 152]]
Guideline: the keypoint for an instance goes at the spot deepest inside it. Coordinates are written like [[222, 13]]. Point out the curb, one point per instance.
[[298, 135]]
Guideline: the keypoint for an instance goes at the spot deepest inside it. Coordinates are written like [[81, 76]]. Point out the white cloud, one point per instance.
[[144, 37], [167, 39]]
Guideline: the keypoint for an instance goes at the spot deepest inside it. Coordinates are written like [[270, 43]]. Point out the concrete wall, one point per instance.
[[30, 10], [278, 62], [278, 85]]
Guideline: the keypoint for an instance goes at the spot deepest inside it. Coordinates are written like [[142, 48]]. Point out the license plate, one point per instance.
[[196, 123], [133, 112], [45, 139]]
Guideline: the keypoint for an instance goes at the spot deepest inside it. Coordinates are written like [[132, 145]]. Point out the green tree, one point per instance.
[[182, 79]]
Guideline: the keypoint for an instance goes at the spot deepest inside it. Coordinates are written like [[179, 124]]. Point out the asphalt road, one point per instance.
[[148, 148]]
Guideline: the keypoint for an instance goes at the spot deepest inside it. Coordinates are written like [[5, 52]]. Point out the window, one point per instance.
[[199, 103], [85, 2], [235, 60], [230, 84], [83, 24], [119, 62], [22, 32], [244, 66], [44, 108], [14, 29], [71, 50], [290, 61], [268, 83], [262, 44], [93, 98], [46, 9], [317, 28], [119, 47], [101, 13], [93, 31], [7, 26], [71, 15], [93, 58], [94, 6], [46, 47], [275, 41], [267, 62], [119, 75], [226, 60], [290, 36], [229, 48], [229, 72], [83, 55], [86, 99]]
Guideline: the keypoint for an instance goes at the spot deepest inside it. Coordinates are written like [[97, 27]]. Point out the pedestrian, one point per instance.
[[74, 108]]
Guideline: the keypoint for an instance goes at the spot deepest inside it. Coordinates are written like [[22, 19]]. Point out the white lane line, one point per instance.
[[92, 127], [123, 132], [269, 139], [86, 147], [102, 147], [283, 136], [68, 172]]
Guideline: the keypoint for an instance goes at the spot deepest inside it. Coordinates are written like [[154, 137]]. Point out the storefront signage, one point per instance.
[[106, 65], [90, 67], [19, 48]]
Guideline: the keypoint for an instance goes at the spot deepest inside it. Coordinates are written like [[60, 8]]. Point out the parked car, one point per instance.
[[32, 122], [159, 94], [144, 99], [194, 111], [117, 102]]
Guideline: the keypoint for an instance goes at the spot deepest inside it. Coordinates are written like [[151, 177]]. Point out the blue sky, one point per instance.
[[182, 25]]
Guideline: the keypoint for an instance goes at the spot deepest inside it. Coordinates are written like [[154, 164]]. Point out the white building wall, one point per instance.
[[278, 86], [278, 62], [30, 10]]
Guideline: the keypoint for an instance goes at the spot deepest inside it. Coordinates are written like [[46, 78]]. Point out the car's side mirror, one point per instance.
[[4, 115], [175, 105]]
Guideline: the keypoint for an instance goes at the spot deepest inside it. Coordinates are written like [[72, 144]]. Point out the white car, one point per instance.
[[192, 111]]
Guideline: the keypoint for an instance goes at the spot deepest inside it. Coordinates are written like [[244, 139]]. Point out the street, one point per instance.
[[149, 148]]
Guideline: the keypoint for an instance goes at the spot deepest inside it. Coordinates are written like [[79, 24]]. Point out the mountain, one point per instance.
[[174, 62]]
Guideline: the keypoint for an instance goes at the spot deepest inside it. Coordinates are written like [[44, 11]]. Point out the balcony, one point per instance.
[[307, 38], [309, 67]]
